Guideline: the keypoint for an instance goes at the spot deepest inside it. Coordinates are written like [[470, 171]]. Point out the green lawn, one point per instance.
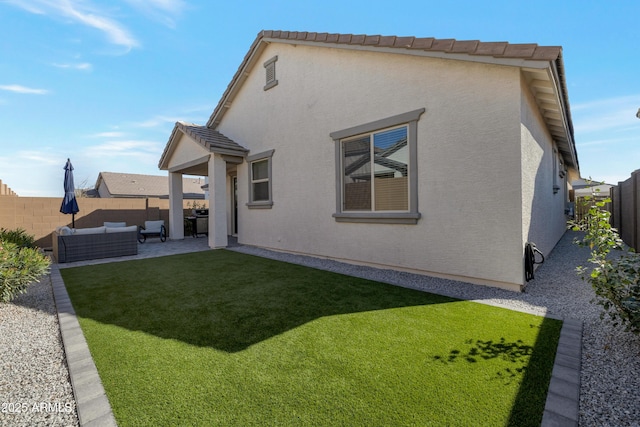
[[222, 338]]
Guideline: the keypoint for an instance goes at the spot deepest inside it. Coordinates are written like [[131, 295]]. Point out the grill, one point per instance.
[[199, 222]]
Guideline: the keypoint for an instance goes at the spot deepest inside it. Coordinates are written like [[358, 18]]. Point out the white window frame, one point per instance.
[[259, 157], [411, 216]]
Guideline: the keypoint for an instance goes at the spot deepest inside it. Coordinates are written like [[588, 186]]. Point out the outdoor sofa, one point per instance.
[[113, 239]]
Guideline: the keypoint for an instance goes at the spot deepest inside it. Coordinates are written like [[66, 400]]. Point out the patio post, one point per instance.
[[176, 212], [217, 202]]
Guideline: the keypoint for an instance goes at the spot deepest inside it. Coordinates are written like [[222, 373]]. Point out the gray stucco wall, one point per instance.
[[543, 217]]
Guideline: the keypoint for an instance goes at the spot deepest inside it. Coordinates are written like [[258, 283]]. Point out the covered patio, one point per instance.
[[201, 151]]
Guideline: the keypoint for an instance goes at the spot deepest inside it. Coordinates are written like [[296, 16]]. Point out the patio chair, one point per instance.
[[152, 228]]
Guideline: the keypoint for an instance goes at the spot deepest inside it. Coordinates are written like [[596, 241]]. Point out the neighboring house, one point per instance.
[[583, 187], [442, 157], [113, 184]]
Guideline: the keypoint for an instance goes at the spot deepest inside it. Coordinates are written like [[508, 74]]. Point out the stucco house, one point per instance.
[[435, 156]]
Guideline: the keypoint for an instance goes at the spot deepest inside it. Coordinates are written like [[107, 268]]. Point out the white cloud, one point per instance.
[[164, 11], [157, 121], [23, 89], [38, 157], [84, 13], [194, 114], [31, 7], [144, 150], [84, 66], [609, 114], [113, 134], [606, 141]]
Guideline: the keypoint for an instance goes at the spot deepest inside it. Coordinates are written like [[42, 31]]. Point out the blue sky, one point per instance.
[[103, 82]]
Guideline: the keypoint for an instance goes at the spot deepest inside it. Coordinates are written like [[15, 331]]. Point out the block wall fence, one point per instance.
[[40, 216], [5, 190], [625, 204]]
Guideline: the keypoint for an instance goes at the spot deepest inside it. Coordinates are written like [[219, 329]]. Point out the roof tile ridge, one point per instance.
[[519, 50], [446, 45], [442, 45], [465, 46], [491, 48]]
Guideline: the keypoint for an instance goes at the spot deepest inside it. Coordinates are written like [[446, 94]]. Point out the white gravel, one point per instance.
[[35, 376], [35, 389]]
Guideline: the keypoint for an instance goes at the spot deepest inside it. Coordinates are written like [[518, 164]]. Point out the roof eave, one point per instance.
[[168, 149], [239, 77], [559, 73]]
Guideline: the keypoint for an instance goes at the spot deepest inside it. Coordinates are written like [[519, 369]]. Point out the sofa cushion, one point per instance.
[[64, 231], [115, 224], [93, 230], [122, 229], [153, 225]]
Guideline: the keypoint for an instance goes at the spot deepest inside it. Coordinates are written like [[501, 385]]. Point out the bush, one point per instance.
[[21, 263], [19, 237], [615, 280]]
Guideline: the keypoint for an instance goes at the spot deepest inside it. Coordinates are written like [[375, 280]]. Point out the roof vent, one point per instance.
[[270, 67]]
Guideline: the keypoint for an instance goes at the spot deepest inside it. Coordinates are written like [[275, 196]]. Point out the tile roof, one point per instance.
[[210, 138], [137, 185], [471, 47]]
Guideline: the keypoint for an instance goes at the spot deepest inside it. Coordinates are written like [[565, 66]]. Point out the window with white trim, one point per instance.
[[376, 164], [260, 188]]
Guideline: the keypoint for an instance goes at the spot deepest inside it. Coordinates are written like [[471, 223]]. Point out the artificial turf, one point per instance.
[[223, 338]]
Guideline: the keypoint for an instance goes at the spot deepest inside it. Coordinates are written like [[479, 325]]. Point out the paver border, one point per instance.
[[92, 405], [562, 407]]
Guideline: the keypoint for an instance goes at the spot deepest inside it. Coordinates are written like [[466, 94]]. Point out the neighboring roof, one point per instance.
[[136, 185], [542, 67], [210, 139], [585, 187], [586, 183]]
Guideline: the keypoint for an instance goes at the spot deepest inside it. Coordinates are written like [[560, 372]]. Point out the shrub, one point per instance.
[[615, 280], [19, 237], [21, 263]]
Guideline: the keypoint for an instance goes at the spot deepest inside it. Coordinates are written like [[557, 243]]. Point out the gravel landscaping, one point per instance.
[[35, 388]]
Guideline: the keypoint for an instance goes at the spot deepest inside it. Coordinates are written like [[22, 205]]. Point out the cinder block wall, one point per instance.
[[40, 216], [626, 208]]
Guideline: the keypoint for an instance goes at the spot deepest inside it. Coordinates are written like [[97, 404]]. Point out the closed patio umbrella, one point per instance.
[[69, 203]]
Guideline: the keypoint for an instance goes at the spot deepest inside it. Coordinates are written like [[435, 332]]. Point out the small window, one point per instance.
[[260, 180], [270, 71]]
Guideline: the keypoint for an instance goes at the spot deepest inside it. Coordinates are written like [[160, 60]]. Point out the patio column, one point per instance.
[[176, 213], [217, 202]]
